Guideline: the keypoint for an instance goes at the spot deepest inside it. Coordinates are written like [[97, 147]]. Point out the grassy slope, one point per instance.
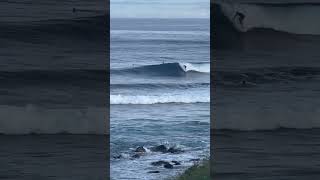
[[196, 172]]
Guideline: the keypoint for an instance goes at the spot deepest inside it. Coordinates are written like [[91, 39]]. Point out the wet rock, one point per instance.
[[176, 162], [159, 163], [153, 171], [194, 160], [160, 148], [174, 150], [136, 156], [140, 149], [168, 166], [117, 157]]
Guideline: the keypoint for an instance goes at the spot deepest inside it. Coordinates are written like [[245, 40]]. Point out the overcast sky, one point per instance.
[[160, 8]]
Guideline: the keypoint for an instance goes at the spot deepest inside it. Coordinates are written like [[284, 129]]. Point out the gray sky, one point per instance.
[[160, 8]]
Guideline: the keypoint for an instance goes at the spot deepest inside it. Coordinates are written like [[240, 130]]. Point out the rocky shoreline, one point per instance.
[[141, 151]]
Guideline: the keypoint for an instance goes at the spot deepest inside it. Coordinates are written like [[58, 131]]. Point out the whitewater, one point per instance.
[[159, 94]]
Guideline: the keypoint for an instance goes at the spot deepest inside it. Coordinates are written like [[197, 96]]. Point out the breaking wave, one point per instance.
[[32, 119], [160, 85], [159, 99], [265, 26], [166, 69], [93, 29], [296, 18]]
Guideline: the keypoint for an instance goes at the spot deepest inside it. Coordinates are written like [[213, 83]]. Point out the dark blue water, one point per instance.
[[159, 93], [53, 88], [267, 84]]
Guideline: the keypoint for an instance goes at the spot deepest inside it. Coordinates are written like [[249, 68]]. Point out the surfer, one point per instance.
[[241, 17]]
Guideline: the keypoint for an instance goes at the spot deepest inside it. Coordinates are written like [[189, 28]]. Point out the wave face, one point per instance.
[[53, 102], [290, 18], [166, 69], [162, 84], [84, 28], [261, 26], [267, 65]]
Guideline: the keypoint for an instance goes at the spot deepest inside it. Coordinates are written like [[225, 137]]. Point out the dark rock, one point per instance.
[[159, 163], [140, 149], [160, 148], [174, 150], [136, 156], [117, 157], [168, 166], [194, 160], [176, 162], [154, 172]]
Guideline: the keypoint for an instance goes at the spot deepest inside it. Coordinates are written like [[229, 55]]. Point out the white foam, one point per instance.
[[35, 119], [160, 99], [128, 168], [298, 19], [135, 32], [204, 68]]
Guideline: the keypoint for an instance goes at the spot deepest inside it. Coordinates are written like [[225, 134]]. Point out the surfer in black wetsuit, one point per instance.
[[241, 17]]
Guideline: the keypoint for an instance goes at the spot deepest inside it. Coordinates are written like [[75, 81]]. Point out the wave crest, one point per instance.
[[246, 17], [158, 99], [166, 69]]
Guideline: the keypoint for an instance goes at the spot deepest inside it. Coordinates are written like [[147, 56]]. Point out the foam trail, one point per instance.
[[159, 99], [33, 119]]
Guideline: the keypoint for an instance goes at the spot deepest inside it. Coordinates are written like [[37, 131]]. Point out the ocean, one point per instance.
[[266, 89], [53, 89], [159, 95]]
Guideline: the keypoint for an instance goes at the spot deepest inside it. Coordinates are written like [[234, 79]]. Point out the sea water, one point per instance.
[[267, 88], [160, 83]]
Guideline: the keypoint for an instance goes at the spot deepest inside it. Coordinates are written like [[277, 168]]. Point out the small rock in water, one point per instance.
[[174, 150], [136, 156], [160, 148], [154, 172], [140, 149], [168, 166], [159, 163], [117, 157], [176, 162]]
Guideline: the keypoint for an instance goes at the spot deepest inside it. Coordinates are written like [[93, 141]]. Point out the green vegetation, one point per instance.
[[196, 172]]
